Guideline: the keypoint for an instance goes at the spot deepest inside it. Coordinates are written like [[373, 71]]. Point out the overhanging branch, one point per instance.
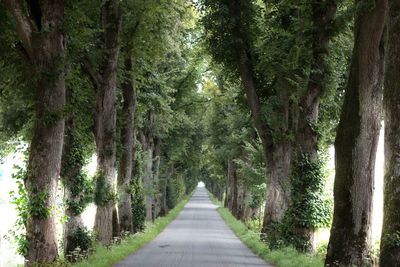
[[24, 25]]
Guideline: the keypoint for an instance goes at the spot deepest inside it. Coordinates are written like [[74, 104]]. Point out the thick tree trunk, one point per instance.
[[71, 169], [323, 14], [241, 203], [105, 131], [230, 185], [278, 186], [43, 41], [277, 156], [127, 157], [232, 189], [235, 195], [356, 143], [163, 195], [390, 249]]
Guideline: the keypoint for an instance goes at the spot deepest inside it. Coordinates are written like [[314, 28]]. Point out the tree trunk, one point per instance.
[[278, 186], [390, 250], [71, 176], [229, 186], [241, 203], [356, 143], [323, 14], [163, 198], [43, 41], [148, 148], [105, 122], [277, 156], [226, 204], [235, 195], [156, 173], [127, 157]]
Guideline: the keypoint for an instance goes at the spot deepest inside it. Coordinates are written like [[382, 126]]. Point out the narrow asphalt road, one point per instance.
[[197, 237]]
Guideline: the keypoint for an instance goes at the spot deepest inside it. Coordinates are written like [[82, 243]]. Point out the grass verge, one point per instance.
[[285, 257], [105, 257]]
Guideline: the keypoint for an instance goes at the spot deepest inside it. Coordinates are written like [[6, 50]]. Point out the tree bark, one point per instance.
[[277, 155], [156, 174], [323, 14], [230, 185], [163, 191], [148, 186], [127, 153], [278, 186], [43, 41], [356, 143], [105, 122], [71, 168], [390, 250], [235, 191]]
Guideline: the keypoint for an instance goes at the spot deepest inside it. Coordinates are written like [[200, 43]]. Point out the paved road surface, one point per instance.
[[197, 237]]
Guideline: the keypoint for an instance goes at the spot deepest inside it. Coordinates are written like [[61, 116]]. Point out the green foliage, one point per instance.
[[74, 179], [252, 169], [137, 195], [175, 191], [309, 208], [82, 241], [104, 194], [391, 240], [37, 205], [20, 201], [283, 257]]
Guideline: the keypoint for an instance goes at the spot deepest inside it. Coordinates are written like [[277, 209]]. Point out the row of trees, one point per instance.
[[307, 87], [286, 80], [114, 78]]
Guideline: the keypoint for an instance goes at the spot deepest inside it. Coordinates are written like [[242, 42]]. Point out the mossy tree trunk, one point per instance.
[[231, 187], [277, 155], [74, 184], [156, 174], [126, 162], [105, 121], [39, 28], [390, 240], [323, 14], [147, 142], [356, 142]]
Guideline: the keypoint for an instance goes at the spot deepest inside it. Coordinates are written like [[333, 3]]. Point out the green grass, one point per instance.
[[285, 257], [108, 257]]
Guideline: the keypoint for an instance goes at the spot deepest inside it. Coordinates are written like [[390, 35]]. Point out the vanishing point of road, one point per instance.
[[197, 237]]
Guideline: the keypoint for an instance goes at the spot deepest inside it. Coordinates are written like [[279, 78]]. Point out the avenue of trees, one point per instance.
[[245, 95]]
